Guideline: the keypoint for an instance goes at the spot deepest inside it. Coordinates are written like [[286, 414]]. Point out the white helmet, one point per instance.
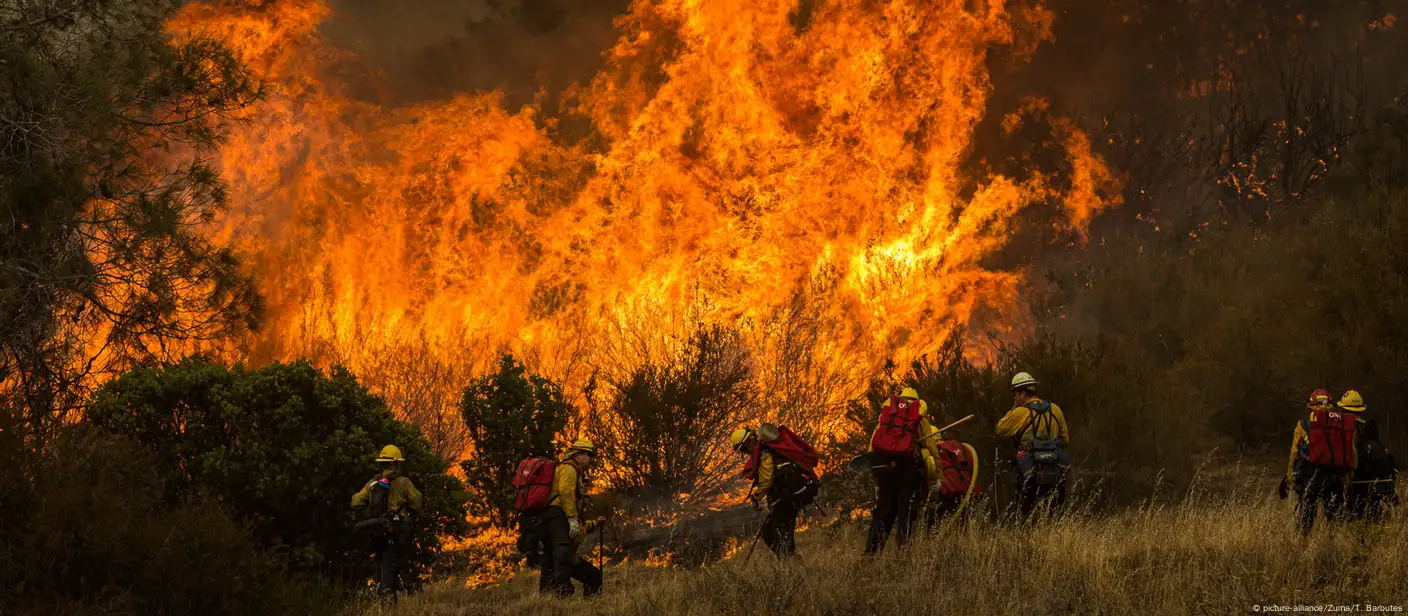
[[1022, 381]]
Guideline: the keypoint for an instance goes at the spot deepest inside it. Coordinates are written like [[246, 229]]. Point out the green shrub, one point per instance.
[[282, 448], [98, 536], [510, 416]]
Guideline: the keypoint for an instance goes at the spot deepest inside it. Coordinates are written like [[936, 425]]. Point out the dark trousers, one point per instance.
[[560, 564], [780, 531], [388, 561], [1031, 496], [898, 483], [1322, 486]]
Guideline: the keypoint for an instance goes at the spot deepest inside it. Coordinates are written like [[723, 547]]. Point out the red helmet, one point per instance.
[[1319, 397]]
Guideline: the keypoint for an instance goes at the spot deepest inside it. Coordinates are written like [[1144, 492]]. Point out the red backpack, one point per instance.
[[532, 484], [899, 426], [787, 445], [960, 466], [1331, 439]]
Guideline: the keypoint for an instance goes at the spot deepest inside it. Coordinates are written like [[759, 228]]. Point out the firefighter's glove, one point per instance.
[[1283, 490], [574, 527], [757, 504]]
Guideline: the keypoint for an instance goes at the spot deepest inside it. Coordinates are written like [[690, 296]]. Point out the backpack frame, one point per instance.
[[1044, 460]]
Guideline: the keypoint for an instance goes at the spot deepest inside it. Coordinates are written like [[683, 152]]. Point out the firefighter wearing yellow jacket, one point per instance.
[[899, 484], [1039, 433], [562, 529], [784, 484], [1300, 448], [387, 503], [1331, 456]]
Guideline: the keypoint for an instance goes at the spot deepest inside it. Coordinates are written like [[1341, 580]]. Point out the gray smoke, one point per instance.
[[433, 49]]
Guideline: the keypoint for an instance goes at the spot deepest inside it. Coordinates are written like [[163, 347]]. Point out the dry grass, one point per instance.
[[1198, 558]]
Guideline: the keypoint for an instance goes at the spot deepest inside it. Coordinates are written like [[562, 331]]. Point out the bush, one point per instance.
[[1208, 335], [510, 416], [282, 448], [666, 429], [98, 536]]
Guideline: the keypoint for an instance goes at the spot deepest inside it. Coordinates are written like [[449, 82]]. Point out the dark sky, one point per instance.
[[430, 49]]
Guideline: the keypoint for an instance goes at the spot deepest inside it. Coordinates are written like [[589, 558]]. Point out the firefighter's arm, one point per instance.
[[413, 497], [1061, 425], [929, 437], [361, 498], [1012, 423], [1296, 440], [765, 470], [564, 484]]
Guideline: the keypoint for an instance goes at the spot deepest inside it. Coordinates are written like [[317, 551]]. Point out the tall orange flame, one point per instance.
[[737, 160]]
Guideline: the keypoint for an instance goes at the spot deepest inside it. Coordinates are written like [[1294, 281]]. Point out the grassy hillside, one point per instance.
[[1206, 555]]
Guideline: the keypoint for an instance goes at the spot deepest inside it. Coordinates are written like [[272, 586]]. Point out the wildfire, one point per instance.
[[738, 161]]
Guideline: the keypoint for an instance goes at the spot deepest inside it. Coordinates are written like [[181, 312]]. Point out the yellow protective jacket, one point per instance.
[[930, 449], [766, 466], [1300, 443], [567, 492], [1017, 425], [401, 496], [930, 446]]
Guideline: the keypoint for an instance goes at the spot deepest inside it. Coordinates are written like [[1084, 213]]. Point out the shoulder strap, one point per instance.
[[1034, 411]]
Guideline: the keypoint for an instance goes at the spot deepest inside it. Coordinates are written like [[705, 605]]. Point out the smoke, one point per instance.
[[1187, 100], [434, 49]]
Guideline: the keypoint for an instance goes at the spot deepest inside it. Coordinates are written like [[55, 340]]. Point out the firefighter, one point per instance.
[[895, 448], [388, 503], [1039, 433], [1300, 452], [1375, 477], [562, 529], [780, 465], [1332, 443]]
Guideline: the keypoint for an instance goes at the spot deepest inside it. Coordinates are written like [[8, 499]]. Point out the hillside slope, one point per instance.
[[1204, 556]]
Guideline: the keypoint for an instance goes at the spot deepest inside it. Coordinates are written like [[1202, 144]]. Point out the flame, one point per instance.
[[736, 161]]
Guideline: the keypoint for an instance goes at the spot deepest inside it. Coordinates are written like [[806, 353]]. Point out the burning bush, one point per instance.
[[510, 416], [664, 430], [283, 448]]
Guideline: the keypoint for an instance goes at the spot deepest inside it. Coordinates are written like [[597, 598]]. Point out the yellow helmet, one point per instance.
[[1351, 401], [390, 453], [910, 393], [740, 436], [582, 445]]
